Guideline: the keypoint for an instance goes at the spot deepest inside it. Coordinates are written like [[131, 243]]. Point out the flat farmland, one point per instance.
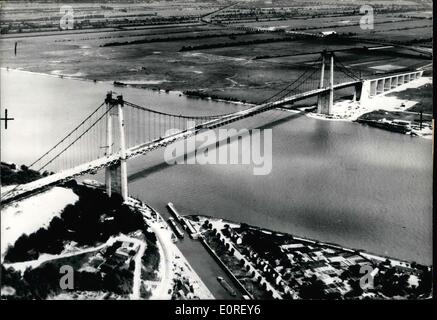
[[396, 27], [423, 14], [387, 25], [322, 22], [242, 70], [209, 37], [37, 10], [296, 47], [416, 34], [44, 16], [402, 31]]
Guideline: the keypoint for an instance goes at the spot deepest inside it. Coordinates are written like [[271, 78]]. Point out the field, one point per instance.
[[308, 23], [421, 94], [234, 61]]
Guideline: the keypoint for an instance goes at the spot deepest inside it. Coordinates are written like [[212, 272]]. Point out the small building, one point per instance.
[[127, 249], [327, 33]]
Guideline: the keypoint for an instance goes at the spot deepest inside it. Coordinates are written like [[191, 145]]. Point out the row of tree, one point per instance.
[[240, 43], [10, 174]]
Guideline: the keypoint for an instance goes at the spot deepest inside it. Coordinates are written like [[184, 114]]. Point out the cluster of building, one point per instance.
[[121, 258], [324, 263], [183, 289], [283, 265]]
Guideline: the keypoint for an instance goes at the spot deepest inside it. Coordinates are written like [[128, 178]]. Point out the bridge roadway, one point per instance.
[[144, 148]]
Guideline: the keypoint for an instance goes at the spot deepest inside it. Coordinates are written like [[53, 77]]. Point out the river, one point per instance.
[[333, 181]]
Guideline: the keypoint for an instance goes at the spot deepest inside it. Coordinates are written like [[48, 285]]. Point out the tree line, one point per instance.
[[92, 219]]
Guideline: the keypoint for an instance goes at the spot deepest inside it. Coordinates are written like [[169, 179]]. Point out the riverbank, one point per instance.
[[383, 109], [344, 110], [146, 85], [290, 267], [221, 222], [175, 267]]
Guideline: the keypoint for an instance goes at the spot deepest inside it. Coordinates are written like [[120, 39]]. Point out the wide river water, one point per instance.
[[333, 181]]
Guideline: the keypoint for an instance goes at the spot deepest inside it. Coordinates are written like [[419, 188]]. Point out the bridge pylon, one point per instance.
[[109, 142], [321, 85], [116, 175], [325, 100]]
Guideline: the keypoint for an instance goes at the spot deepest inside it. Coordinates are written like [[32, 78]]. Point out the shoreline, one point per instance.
[[339, 106], [163, 233], [412, 133], [255, 253], [128, 85], [352, 111], [361, 252], [60, 76]]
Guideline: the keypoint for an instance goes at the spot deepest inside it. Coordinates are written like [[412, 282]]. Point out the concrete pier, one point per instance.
[[378, 86]]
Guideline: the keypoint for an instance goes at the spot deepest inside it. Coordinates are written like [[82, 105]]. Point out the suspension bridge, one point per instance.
[[99, 142]]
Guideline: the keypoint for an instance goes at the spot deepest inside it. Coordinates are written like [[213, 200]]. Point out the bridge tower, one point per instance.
[[325, 100], [116, 175], [322, 79]]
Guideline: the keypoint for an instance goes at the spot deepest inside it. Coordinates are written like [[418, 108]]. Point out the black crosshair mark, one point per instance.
[[6, 119]]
